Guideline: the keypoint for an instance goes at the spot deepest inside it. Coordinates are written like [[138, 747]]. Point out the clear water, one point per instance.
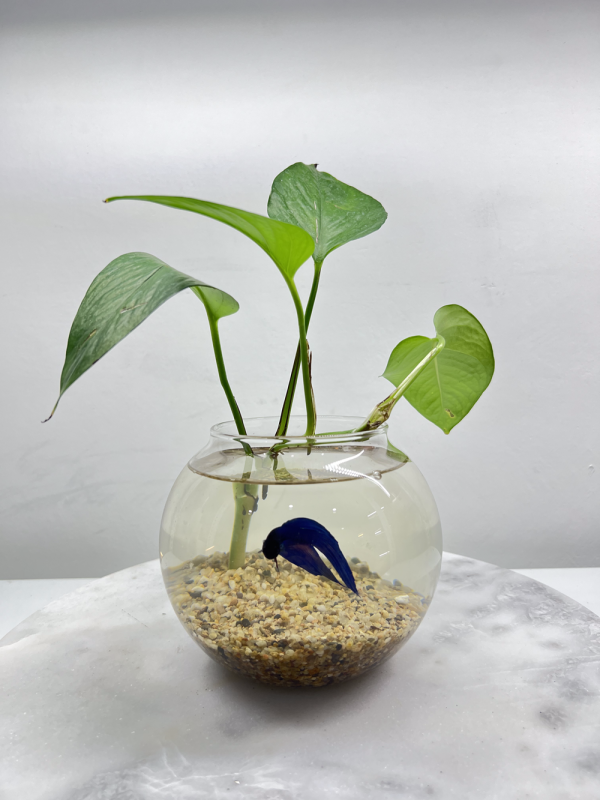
[[379, 509]]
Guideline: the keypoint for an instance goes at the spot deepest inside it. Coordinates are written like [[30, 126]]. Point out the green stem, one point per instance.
[[316, 441], [214, 332], [313, 292], [382, 411], [286, 410], [245, 498], [311, 416]]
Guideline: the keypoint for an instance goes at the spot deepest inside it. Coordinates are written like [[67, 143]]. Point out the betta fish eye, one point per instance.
[[270, 546]]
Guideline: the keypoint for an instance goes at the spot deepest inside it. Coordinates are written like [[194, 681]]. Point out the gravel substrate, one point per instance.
[[291, 628]]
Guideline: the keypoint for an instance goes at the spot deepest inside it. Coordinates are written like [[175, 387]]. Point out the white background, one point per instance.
[[475, 124]]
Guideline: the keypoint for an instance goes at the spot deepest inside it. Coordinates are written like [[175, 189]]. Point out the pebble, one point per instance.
[[309, 631]]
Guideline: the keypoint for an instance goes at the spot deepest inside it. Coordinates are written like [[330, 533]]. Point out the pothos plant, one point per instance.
[[310, 213]]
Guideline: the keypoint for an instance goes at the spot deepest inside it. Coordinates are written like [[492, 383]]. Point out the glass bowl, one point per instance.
[[271, 619]]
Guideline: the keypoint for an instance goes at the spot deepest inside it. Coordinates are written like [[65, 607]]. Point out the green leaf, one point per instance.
[[416, 354], [127, 291], [448, 388], [396, 454], [287, 245], [332, 212]]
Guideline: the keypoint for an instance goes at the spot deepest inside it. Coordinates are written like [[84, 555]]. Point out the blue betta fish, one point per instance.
[[296, 541]]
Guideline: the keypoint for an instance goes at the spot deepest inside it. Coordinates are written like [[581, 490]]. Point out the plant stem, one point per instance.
[[313, 293], [214, 332], [311, 415], [382, 411], [286, 410], [245, 498]]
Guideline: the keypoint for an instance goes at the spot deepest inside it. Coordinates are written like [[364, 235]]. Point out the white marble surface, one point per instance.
[[21, 598], [497, 697], [579, 583]]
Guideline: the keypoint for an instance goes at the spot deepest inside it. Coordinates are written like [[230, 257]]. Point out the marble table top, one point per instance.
[[497, 696]]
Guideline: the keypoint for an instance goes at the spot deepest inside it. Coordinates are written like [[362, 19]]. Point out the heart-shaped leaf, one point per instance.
[[332, 212], [448, 388], [127, 291], [288, 245], [414, 355]]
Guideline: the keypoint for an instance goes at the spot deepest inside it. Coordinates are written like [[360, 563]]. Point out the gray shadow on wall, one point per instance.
[[33, 13]]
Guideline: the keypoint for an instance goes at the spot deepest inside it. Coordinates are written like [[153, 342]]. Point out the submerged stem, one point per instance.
[[245, 498]]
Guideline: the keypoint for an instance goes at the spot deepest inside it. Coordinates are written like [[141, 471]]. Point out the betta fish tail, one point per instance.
[[310, 532], [306, 557]]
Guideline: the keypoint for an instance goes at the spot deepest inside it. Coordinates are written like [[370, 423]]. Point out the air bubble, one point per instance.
[[377, 475]]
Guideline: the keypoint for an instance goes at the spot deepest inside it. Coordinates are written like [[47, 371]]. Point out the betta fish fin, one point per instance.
[[312, 532], [306, 557]]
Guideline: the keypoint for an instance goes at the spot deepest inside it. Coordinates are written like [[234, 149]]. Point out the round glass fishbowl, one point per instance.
[[300, 561]]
